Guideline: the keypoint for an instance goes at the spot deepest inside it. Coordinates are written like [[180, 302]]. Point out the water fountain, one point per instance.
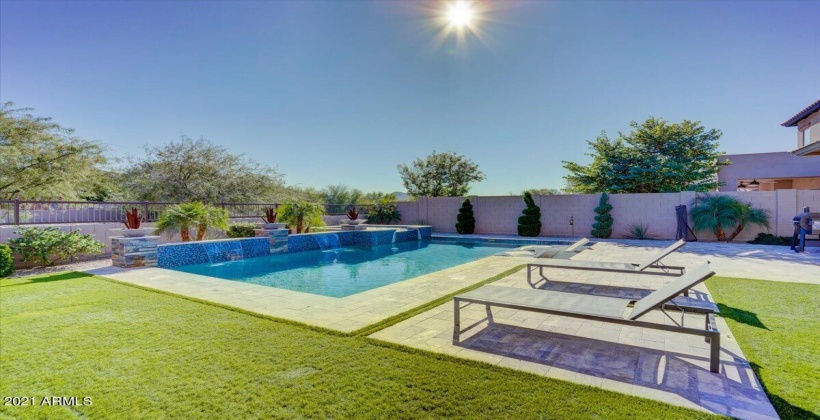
[[327, 241], [223, 251]]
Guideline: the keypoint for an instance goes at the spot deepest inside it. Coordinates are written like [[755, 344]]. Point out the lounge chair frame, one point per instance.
[[710, 332]]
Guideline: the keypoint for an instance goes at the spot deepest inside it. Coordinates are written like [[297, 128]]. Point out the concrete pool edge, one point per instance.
[[344, 315]]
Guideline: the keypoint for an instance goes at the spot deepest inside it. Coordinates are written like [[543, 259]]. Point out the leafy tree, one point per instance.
[[377, 196], [301, 214], [655, 157], [183, 217], [440, 175], [541, 191], [720, 213], [6, 261], [466, 220], [383, 213], [49, 245], [199, 170], [530, 223], [602, 228], [41, 159]]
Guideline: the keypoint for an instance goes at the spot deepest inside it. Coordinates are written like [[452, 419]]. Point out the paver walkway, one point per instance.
[[653, 364]]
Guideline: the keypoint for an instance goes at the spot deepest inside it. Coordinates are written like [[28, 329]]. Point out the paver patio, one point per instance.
[[665, 366]]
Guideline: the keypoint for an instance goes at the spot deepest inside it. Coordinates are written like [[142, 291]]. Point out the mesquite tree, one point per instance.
[[466, 221], [530, 223], [602, 228]]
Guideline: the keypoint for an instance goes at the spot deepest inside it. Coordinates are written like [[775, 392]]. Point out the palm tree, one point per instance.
[[182, 217], [747, 215], [719, 213], [301, 214], [212, 217]]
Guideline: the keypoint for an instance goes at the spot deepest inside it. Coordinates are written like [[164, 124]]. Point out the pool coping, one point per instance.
[[345, 314]]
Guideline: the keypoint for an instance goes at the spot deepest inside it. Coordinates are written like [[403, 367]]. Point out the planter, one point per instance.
[[352, 222], [273, 226], [135, 233]]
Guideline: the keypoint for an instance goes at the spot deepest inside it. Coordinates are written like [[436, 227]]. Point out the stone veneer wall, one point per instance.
[[134, 252], [499, 215]]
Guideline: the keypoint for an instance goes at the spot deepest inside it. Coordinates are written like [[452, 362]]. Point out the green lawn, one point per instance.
[[143, 354], [778, 328]]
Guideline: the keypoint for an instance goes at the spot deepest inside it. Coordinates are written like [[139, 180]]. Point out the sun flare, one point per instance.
[[460, 14]]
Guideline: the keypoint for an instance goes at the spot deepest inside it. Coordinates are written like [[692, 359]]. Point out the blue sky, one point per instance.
[[343, 91]]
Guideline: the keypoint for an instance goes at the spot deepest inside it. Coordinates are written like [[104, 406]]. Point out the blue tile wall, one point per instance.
[[179, 254]]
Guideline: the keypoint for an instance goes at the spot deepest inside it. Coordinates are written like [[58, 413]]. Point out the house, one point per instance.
[[798, 169]]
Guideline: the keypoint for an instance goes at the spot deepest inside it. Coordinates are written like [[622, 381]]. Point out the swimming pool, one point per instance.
[[349, 270]]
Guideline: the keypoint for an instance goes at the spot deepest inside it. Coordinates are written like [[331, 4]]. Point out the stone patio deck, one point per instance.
[[664, 366]]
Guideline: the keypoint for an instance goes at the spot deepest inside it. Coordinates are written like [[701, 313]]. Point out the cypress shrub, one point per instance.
[[602, 228], [6, 261], [530, 223], [466, 221]]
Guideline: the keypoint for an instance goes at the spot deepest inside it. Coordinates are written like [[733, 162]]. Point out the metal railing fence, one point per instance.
[[31, 212]]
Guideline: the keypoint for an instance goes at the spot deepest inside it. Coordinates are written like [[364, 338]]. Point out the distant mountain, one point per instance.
[[401, 196]]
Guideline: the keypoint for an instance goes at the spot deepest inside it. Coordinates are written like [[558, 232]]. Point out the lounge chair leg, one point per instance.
[[489, 314], [456, 320], [714, 353]]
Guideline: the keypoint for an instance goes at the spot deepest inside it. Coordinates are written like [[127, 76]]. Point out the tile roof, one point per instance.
[[791, 122]]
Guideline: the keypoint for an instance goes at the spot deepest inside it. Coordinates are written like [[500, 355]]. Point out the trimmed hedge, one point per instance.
[[530, 223], [6, 261], [241, 230], [602, 228], [466, 220]]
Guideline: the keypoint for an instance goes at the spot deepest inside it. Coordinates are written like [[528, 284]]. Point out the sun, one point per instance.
[[460, 14]]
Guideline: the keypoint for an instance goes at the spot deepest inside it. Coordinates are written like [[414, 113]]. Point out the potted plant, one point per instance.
[[132, 223], [270, 219], [352, 221]]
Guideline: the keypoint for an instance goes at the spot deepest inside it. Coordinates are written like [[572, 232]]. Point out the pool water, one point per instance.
[[346, 271]]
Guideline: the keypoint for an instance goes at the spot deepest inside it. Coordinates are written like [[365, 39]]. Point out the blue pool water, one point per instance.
[[345, 271]]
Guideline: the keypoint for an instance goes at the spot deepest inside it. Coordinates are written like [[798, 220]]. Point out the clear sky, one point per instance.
[[343, 91]]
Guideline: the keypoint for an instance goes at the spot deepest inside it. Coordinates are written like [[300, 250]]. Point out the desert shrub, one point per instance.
[[6, 261], [383, 214], [638, 231], [466, 220], [530, 223], [241, 230], [602, 228], [46, 246], [769, 239]]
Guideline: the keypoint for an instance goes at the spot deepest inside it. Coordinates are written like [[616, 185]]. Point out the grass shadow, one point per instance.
[[784, 408], [741, 316], [24, 281]]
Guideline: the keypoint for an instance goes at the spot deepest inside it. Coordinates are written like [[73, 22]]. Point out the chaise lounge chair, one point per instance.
[[600, 308], [551, 251], [651, 265]]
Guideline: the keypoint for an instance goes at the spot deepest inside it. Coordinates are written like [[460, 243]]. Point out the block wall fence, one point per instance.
[[499, 215]]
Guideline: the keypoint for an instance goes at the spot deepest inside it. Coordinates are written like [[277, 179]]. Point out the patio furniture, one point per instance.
[[561, 251], [599, 308], [651, 265]]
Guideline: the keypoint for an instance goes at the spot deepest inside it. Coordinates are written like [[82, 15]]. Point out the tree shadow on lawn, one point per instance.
[[741, 316], [23, 281]]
